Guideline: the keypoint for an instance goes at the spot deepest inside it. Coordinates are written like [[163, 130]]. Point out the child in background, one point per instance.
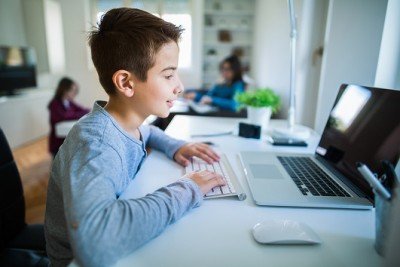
[[136, 56], [63, 108], [222, 95]]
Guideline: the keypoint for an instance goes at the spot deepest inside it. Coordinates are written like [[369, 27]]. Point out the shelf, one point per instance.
[[211, 73], [218, 59], [230, 28], [226, 44], [234, 16], [229, 13]]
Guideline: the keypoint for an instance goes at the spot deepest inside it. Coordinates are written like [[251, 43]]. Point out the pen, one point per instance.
[[211, 134], [390, 175], [372, 180]]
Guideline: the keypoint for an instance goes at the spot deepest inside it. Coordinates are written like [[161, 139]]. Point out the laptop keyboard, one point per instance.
[[310, 178], [197, 164]]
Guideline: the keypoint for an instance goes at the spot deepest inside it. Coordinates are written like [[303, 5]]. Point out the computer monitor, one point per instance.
[[363, 126], [17, 69]]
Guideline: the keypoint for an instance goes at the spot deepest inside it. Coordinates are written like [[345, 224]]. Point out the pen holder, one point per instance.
[[382, 220]]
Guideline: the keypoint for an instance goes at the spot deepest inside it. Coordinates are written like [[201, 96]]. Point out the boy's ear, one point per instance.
[[124, 82]]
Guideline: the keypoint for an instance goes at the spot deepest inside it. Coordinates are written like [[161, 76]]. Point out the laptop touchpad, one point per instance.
[[265, 171]]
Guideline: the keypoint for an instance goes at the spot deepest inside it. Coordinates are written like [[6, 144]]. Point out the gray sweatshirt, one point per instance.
[[85, 219]]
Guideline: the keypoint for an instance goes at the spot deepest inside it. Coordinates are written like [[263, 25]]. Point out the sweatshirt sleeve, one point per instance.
[[157, 139], [103, 228], [228, 103]]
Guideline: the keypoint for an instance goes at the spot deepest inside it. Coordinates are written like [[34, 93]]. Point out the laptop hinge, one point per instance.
[[343, 178]]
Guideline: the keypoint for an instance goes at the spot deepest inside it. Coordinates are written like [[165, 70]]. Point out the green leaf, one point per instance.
[[263, 97]]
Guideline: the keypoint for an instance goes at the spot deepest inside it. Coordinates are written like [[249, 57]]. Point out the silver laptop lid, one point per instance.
[[363, 126]]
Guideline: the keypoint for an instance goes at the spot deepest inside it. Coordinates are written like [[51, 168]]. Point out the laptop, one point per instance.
[[363, 126]]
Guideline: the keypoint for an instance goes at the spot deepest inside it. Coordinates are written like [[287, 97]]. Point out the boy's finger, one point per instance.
[[209, 152], [181, 160], [216, 181], [204, 173], [209, 149], [203, 156]]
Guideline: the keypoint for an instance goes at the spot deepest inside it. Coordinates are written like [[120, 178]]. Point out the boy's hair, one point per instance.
[[128, 39]]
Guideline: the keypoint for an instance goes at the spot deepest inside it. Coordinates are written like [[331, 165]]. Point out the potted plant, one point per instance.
[[261, 103]]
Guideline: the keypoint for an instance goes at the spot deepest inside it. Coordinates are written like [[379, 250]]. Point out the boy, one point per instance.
[[136, 57]]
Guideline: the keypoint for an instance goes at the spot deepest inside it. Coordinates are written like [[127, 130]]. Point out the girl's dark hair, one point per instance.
[[64, 85], [236, 67]]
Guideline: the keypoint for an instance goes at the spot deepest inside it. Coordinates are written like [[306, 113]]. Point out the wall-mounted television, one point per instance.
[[17, 69]]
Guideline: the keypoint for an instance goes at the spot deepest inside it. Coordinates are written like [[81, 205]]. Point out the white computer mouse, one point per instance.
[[284, 232]]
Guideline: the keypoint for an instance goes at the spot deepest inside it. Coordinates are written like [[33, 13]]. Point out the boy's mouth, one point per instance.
[[170, 103]]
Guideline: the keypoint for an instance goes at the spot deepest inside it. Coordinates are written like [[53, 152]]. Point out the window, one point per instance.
[[177, 12]]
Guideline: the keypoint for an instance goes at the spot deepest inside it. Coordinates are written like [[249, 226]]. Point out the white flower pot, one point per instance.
[[259, 116]]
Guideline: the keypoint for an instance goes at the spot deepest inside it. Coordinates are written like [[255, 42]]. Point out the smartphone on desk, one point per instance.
[[286, 141]]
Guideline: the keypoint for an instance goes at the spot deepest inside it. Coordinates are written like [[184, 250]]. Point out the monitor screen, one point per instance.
[[17, 68], [363, 126]]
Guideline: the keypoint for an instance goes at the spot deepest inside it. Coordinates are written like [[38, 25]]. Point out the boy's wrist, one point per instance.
[[198, 194], [182, 144]]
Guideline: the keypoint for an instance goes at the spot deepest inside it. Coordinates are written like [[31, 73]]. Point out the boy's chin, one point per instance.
[[163, 115]]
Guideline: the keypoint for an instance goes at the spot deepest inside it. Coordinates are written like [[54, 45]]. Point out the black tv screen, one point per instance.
[[17, 68]]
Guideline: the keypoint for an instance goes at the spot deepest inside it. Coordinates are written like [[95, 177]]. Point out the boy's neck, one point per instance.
[[128, 118]]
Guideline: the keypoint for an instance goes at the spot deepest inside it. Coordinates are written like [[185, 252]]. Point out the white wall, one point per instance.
[[308, 67], [191, 78], [271, 54], [352, 43], [388, 70], [77, 21], [271, 58], [54, 36], [12, 33], [34, 20], [42, 21]]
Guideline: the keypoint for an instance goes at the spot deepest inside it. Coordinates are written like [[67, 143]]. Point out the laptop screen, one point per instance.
[[363, 126]]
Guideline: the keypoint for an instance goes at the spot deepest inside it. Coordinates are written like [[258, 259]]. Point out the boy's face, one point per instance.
[[156, 95]]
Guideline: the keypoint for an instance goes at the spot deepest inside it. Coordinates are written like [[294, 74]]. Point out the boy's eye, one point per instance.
[[169, 77]]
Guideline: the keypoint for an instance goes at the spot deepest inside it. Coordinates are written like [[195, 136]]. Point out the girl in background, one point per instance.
[[63, 108], [222, 95]]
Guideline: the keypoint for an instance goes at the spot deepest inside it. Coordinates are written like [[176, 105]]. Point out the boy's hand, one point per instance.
[[206, 180], [200, 150]]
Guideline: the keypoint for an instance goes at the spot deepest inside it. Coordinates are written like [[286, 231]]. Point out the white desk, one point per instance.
[[219, 232]]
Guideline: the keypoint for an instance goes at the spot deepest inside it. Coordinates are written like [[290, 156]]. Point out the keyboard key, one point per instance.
[[225, 189], [309, 177], [197, 164]]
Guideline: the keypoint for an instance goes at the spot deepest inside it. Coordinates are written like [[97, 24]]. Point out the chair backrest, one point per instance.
[[12, 203]]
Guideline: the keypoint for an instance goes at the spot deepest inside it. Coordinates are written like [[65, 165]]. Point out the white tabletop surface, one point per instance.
[[219, 232]]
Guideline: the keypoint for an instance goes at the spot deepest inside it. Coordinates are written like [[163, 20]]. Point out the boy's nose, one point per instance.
[[179, 88]]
